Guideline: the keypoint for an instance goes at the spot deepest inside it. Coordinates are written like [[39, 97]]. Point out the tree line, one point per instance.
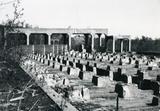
[[146, 44]]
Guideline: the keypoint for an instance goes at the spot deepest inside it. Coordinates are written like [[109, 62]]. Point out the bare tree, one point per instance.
[[6, 3], [13, 22]]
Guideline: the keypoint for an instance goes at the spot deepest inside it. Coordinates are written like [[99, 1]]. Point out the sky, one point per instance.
[[128, 17]]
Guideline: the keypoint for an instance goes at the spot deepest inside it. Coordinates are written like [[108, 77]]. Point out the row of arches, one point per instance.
[[98, 42], [14, 39]]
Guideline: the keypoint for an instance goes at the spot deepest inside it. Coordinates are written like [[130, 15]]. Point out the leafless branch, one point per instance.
[[34, 105], [19, 104], [6, 3]]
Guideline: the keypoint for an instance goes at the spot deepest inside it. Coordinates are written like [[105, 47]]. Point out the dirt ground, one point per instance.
[[13, 81]]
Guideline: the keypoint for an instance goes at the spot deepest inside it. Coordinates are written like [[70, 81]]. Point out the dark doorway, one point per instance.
[[16, 39], [38, 39]]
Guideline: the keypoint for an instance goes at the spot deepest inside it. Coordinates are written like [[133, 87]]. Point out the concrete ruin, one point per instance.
[[92, 80], [87, 80]]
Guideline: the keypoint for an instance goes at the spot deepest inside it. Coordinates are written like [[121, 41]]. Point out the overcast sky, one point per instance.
[[133, 17]]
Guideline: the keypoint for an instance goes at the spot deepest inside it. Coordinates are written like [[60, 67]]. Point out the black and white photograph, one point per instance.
[[79, 55]]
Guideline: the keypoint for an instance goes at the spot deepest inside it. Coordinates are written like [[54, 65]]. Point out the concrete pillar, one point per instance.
[[129, 45], [121, 42], [69, 41], [27, 38], [92, 42], [106, 41], [113, 45], [100, 40], [49, 39]]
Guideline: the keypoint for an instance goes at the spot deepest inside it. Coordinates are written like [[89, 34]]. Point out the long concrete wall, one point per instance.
[[43, 49], [91, 33]]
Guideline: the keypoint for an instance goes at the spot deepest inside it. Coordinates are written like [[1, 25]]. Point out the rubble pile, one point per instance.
[[76, 75]]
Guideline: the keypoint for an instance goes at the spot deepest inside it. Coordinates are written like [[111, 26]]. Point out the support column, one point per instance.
[[92, 42], [106, 39], [49, 39], [113, 47], [69, 41], [27, 38], [129, 45], [100, 40], [121, 41]]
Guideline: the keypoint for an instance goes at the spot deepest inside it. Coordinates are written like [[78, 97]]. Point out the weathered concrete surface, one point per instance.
[[105, 98], [53, 95]]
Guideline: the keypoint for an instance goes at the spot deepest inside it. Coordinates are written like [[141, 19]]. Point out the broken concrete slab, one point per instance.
[[125, 91], [101, 81], [73, 71], [85, 93], [46, 61], [56, 65], [85, 75], [82, 67], [63, 68]]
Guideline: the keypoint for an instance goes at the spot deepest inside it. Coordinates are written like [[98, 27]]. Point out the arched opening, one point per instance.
[[96, 41], [16, 39], [126, 45], [117, 46], [38, 38], [57, 38], [103, 36], [109, 45], [88, 42], [77, 41]]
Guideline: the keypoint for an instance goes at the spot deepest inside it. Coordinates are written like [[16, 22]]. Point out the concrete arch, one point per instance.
[[77, 41], [88, 42], [118, 45], [16, 39], [126, 45], [109, 43], [102, 40], [97, 42], [90, 38], [123, 45], [38, 38], [59, 38]]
